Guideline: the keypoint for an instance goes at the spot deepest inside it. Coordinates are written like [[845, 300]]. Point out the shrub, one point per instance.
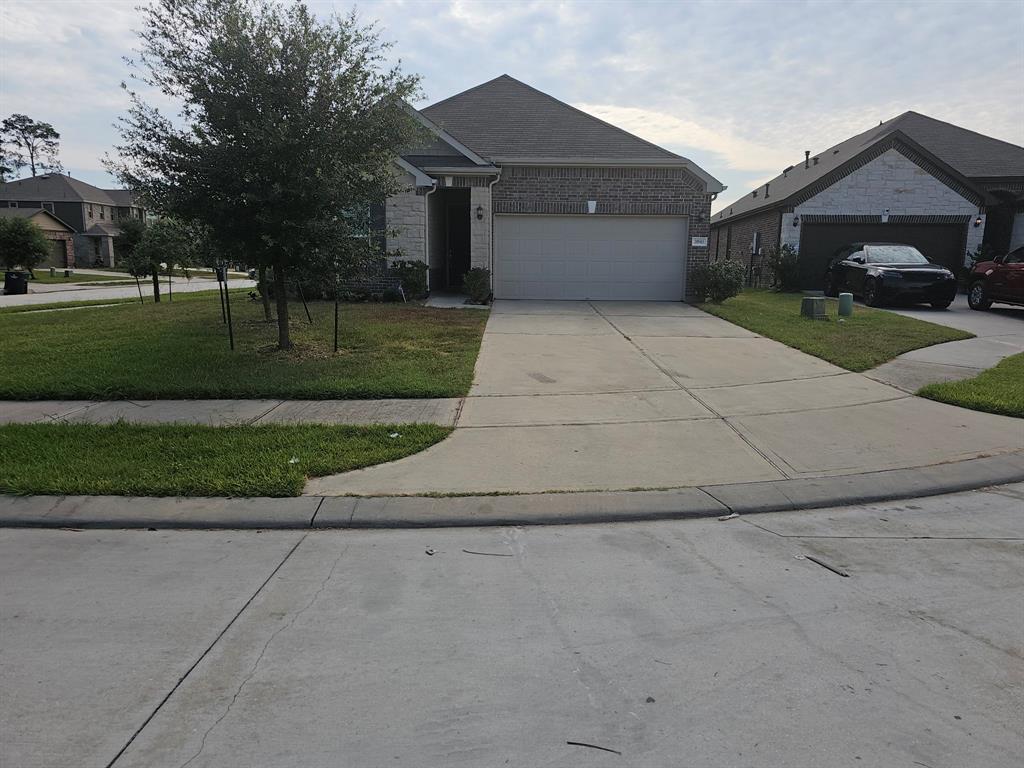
[[413, 275], [477, 285], [784, 264], [22, 244], [719, 280]]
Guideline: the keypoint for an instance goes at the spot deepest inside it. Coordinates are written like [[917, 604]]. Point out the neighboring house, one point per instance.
[[556, 203], [913, 179], [91, 212], [60, 235]]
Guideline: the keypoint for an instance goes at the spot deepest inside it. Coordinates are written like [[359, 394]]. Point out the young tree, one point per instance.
[[285, 123], [37, 140], [125, 244], [164, 243], [22, 244]]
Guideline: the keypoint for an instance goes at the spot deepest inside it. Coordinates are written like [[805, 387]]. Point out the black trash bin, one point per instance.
[[15, 283]]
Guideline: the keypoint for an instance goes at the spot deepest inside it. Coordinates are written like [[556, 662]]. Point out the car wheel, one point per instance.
[[871, 293], [976, 298], [941, 304], [831, 287]]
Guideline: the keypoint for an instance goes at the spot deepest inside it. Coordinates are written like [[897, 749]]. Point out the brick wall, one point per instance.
[[735, 238], [565, 190]]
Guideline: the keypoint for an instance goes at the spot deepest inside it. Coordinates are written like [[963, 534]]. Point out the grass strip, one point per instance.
[[188, 460], [998, 390], [867, 339]]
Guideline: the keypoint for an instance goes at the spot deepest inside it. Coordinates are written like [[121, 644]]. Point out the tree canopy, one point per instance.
[[22, 244], [29, 142], [286, 124]]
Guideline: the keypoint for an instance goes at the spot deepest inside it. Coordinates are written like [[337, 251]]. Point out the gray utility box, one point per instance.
[[813, 307]]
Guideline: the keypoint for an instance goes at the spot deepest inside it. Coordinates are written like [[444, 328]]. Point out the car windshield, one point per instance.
[[893, 254]]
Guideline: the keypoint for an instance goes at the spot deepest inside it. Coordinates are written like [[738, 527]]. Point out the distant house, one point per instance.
[[60, 235], [92, 213], [916, 180]]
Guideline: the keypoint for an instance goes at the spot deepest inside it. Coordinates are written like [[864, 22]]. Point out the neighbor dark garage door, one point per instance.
[[942, 243]]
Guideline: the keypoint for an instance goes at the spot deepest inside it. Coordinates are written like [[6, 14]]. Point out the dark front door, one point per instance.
[[940, 243], [457, 245]]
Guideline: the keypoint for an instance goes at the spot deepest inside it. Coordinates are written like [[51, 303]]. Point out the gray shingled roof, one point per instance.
[[28, 213], [972, 155], [51, 187], [506, 120]]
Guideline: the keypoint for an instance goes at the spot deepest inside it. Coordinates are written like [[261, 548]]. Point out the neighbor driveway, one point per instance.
[[623, 395], [999, 333]]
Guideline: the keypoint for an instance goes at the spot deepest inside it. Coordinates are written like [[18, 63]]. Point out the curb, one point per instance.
[[343, 512]]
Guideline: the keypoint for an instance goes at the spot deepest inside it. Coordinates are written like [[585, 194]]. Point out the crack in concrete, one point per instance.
[[255, 666], [205, 653]]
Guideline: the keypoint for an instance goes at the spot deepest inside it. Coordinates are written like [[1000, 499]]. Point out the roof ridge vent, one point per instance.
[[786, 170], [815, 161]]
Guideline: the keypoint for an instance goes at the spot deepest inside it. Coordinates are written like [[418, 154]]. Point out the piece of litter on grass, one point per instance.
[[733, 516], [593, 746], [431, 552], [394, 434], [293, 460], [650, 699]]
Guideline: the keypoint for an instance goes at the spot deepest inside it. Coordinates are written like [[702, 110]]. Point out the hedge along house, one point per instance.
[[913, 179], [554, 202]]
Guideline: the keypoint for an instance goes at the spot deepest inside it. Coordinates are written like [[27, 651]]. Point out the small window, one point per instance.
[[12, 204], [90, 211], [48, 207], [103, 213]]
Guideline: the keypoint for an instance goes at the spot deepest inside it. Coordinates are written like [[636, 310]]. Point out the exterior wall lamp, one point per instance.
[[796, 221], [977, 221], [479, 213]]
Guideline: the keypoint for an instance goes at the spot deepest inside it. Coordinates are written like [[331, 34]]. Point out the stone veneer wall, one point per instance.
[[480, 229], [626, 191], [406, 216]]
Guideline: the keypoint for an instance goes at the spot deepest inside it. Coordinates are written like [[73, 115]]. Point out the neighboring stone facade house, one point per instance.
[[554, 202], [92, 213], [60, 235], [913, 179]]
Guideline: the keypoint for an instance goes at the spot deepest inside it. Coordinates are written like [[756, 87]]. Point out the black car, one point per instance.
[[881, 272]]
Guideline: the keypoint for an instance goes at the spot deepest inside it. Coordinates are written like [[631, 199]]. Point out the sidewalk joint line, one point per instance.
[[317, 511], [205, 653]]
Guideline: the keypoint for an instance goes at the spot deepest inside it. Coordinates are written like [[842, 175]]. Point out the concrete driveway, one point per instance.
[[625, 395], [999, 333]]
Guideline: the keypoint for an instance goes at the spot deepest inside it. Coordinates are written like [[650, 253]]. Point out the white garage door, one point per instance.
[[589, 257]]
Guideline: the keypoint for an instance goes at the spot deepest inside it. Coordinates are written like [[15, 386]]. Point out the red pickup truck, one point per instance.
[[999, 280]]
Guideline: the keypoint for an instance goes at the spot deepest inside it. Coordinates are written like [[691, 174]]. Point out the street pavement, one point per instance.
[[999, 333], [684, 643], [615, 396], [94, 291]]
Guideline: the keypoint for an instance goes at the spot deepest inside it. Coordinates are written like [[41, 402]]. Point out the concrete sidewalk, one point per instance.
[[999, 333], [442, 411], [618, 396], [95, 291]]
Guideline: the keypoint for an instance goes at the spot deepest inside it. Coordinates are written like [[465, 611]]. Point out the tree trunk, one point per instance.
[[262, 287], [283, 339], [156, 286]]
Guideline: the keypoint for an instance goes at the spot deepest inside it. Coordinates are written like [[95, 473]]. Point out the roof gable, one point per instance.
[[962, 153], [40, 216], [51, 187], [506, 120]]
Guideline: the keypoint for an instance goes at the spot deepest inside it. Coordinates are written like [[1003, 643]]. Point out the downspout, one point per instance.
[[426, 229], [490, 191]]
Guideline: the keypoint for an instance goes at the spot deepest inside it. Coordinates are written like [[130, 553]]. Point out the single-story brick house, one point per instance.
[[556, 203], [60, 235], [913, 179]]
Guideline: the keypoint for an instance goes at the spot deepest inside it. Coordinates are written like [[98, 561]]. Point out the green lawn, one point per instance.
[[65, 305], [867, 339], [43, 277], [997, 390], [180, 349], [181, 460]]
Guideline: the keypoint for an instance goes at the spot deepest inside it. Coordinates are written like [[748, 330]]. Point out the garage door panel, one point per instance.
[[590, 257], [942, 243]]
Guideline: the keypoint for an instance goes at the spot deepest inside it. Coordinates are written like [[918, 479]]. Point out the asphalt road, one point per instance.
[[688, 643]]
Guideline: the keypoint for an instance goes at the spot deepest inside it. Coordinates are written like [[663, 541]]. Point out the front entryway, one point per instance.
[[449, 238], [590, 257]]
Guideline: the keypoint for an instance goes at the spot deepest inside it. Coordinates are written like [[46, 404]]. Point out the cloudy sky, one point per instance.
[[742, 88]]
